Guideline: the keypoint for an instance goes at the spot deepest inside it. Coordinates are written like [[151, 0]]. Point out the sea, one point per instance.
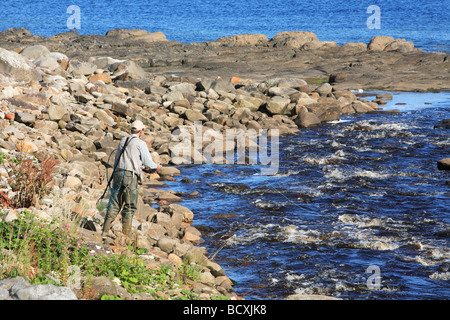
[[426, 23], [357, 209]]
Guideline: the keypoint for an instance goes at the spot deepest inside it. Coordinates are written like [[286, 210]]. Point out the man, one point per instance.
[[129, 166]]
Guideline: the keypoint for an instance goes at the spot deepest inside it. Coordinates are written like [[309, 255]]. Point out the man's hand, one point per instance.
[[148, 170]]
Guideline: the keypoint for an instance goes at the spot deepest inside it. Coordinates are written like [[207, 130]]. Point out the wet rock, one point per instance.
[[307, 119], [443, 124], [444, 164]]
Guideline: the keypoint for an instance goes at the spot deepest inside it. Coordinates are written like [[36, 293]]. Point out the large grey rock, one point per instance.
[[194, 255], [137, 34], [306, 120], [81, 68], [127, 70], [187, 89], [278, 105], [379, 43], [166, 244], [56, 112], [25, 118], [324, 89], [49, 63], [104, 117], [194, 115], [17, 66], [282, 91], [103, 286], [295, 39], [35, 52], [45, 292]]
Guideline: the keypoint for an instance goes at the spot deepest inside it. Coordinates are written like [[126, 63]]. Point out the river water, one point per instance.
[[356, 210]]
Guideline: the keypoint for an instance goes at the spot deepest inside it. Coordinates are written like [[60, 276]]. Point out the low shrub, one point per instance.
[[28, 179]]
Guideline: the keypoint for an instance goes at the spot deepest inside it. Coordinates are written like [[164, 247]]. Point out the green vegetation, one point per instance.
[[43, 252]]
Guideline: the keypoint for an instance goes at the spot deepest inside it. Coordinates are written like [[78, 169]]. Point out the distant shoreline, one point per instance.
[[385, 63]]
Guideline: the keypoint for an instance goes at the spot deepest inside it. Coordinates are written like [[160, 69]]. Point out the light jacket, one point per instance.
[[135, 157]]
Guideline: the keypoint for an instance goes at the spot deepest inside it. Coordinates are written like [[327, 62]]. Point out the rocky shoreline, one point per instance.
[[70, 97], [383, 63]]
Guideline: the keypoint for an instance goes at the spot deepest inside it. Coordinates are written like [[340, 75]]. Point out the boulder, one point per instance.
[[244, 40], [250, 103], [379, 43], [443, 124], [100, 77], [167, 244], [188, 215], [444, 164], [324, 89], [294, 39], [25, 118], [104, 117], [361, 107], [400, 45], [282, 91], [278, 105], [82, 68], [194, 255], [306, 120], [103, 286], [35, 52], [194, 115], [17, 66], [73, 183], [325, 111], [169, 171], [137, 34], [49, 63], [56, 112], [354, 46], [187, 89], [127, 70], [45, 292]]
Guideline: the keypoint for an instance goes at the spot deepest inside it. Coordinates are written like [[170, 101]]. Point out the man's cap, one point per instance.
[[137, 125]]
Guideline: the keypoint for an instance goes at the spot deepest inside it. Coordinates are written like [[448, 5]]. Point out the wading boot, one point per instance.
[[106, 233], [126, 230]]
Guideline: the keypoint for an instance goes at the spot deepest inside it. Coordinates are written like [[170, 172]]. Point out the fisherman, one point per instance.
[[131, 159]]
